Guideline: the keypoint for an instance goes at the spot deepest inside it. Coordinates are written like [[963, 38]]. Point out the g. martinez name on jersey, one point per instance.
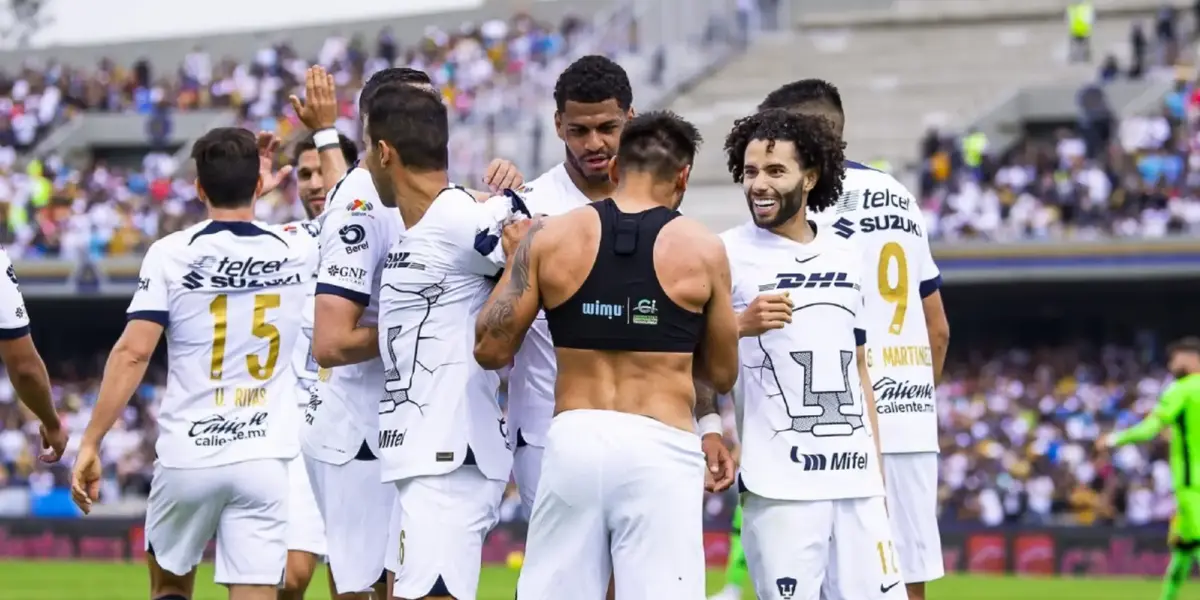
[[223, 273]]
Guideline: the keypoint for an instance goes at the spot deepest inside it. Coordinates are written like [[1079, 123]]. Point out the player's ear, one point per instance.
[[681, 181], [631, 113], [200, 191], [809, 179], [614, 173], [258, 187], [558, 126]]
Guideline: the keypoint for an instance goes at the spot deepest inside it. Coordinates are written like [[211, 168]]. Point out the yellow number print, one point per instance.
[[402, 546], [220, 313], [260, 328], [894, 294], [887, 556]]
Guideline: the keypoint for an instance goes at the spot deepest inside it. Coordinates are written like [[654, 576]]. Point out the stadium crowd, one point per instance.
[[490, 74], [1018, 439]]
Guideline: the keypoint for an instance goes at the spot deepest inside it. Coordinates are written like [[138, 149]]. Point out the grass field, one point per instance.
[[105, 581]]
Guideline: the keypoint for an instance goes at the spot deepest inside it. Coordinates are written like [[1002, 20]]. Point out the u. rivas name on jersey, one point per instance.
[[223, 273], [893, 396], [219, 430]]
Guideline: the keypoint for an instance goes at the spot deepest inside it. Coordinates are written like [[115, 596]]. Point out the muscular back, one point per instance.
[[688, 263]]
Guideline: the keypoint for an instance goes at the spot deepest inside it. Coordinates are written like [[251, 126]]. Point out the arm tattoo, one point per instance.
[[706, 399], [497, 322]]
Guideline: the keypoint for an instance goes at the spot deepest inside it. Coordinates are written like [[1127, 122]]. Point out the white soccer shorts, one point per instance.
[[305, 528], [618, 493], [912, 487], [245, 505], [527, 471], [443, 521], [356, 509], [820, 550]]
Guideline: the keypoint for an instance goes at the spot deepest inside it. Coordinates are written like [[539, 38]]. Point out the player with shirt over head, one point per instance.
[[811, 478], [443, 436], [636, 298], [229, 293], [594, 101], [907, 333]]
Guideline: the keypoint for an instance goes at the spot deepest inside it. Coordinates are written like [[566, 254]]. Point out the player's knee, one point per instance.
[[298, 575], [916, 591]]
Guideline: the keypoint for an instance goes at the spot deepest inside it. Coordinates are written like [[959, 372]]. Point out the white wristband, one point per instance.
[[711, 424], [325, 137]]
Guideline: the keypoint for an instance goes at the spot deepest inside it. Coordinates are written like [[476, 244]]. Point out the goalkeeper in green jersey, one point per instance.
[[1179, 409]]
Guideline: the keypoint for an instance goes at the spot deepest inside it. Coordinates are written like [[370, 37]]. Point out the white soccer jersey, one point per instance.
[[14, 322], [356, 230], [303, 363], [803, 429], [230, 294], [438, 401], [887, 223], [535, 368]]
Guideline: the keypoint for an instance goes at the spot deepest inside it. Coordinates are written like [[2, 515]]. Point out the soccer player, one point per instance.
[[443, 440], [340, 438], [812, 484], [907, 333], [1179, 409], [228, 292], [636, 298], [594, 101], [306, 529], [26, 371]]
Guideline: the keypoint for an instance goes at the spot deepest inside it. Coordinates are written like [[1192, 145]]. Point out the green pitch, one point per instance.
[[102, 581]]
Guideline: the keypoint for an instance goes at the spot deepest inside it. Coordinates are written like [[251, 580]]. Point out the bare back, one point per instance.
[[657, 383]]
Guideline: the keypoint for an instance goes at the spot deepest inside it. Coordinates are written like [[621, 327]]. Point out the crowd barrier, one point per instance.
[[1075, 551]]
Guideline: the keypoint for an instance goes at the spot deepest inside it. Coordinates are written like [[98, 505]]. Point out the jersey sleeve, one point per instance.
[[14, 322], [860, 323], [150, 301], [350, 243], [931, 276], [1172, 402], [490, 217]]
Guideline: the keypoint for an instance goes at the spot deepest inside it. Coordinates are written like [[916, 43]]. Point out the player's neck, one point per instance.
[[593, 190], [797, 228], [417, 192], [244, 213], [640, 191]]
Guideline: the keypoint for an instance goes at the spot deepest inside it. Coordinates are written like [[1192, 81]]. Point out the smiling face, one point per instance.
[[775, 183], [308, 178]]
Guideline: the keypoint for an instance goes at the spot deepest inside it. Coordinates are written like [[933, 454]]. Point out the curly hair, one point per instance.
[[593, 79], [817, 146], [660, 142]]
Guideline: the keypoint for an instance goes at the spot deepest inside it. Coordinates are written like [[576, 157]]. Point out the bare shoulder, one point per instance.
[[690, 237]]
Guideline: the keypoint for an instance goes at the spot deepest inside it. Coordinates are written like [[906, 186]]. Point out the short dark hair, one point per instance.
[[414, 122], [804, 91], [390, 75], [591, 80], [658, 142], [817, 146], [227, 166], [349, 148], [1190, 344]]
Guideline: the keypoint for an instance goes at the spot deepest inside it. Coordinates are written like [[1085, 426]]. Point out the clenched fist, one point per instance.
[[766, 312]]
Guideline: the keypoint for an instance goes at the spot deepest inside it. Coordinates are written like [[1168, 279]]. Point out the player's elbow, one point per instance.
[[939, 332], [722, 374], [327, 352], [491, 354]]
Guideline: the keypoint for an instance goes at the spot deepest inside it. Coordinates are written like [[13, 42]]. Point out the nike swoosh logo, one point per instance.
[[883, 589], [807, 259]]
